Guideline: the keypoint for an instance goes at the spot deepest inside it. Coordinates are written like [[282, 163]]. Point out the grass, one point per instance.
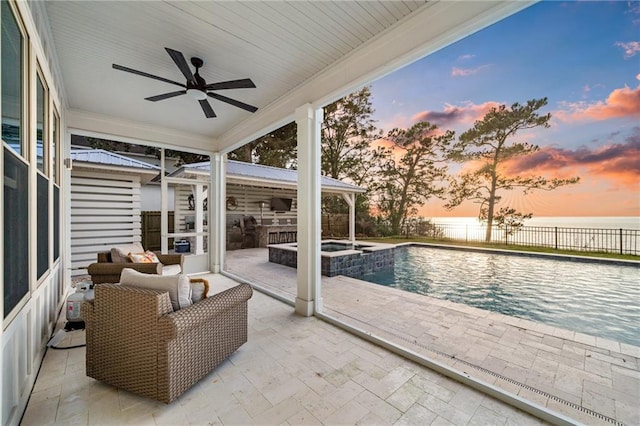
[[397, 240]]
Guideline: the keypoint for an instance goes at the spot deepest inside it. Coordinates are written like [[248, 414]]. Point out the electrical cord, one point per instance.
[[68, 347], [52, 343]]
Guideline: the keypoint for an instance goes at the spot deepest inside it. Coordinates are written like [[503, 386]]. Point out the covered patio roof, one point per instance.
[[295, 52], [259, 175]]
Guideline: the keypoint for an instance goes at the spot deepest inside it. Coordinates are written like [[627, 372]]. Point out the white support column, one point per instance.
[[217, 211], [309, 295], [351, 201], [198, 199], [164, 213]]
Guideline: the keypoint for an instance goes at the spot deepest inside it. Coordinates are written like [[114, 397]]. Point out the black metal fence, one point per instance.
[[602, 240]]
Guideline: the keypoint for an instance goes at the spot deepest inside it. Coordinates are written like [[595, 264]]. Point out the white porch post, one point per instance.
[[217, 211], [351, 201], [164, 215], [308, 299], [198, 198]]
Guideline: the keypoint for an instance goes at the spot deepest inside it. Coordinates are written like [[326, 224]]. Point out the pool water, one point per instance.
[[592, 298]]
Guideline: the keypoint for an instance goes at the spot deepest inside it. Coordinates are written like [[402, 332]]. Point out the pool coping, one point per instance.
[[371, 247]]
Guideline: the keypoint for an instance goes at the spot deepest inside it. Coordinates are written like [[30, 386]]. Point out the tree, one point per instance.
[[109, 145], [510, 219], [414, 173], [348, 133], [489, 144], [115, 146], [277, 149]]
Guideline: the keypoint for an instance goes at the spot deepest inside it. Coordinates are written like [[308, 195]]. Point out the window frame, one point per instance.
[[55, 145], [46, 140], [9, 316], [24, 154], [24, 90]]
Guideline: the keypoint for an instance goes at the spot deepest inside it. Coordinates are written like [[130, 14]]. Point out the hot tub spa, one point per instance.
[[339, 257]]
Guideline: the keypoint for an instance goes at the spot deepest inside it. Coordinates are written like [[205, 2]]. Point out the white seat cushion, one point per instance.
[[171, 269], [178, 286]]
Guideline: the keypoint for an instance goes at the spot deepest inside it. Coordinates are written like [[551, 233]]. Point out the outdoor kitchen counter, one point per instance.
[[275, 231]]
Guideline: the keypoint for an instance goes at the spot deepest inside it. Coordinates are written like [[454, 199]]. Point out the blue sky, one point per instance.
[[583, 56]]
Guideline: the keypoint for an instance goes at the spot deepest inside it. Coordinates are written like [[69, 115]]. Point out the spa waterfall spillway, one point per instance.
[[340, 257]]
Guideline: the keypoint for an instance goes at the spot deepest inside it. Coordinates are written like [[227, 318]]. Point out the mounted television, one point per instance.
[[281, 204]]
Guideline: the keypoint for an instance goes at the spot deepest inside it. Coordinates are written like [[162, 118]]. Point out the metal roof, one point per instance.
[[100, 156], [265, 174]]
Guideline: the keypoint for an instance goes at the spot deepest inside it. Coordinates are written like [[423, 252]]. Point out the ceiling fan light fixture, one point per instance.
[[196, 87], [197, 94]]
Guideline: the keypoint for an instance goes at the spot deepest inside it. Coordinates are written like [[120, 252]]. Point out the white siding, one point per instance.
[[150, 198], [24, 342], [248, 198], [105, 211]]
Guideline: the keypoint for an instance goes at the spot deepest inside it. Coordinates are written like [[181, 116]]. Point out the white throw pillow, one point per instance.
[[178, 286], [120, 254], [199, 289]]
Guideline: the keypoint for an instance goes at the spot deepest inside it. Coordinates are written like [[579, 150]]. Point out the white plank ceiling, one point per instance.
[[279, 45]]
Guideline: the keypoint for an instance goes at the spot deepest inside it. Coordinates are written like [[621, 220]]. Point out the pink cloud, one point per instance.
[[618, 162], [630, 48], [454, 115], [623, 102]]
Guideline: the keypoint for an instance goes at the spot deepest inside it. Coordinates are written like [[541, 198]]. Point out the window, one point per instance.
[[42, 229], [16, 230], [42, 145], [55, 146], [56, 223], [12, 81]]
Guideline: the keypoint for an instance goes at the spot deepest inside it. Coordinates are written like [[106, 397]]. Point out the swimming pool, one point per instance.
[[592, 298]]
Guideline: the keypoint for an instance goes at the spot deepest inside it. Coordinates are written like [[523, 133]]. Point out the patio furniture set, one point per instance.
[[153, 331]]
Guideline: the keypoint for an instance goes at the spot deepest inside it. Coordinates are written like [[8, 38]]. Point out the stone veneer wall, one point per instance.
[[353, 265]]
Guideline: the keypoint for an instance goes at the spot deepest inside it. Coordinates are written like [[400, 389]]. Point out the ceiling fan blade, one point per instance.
[[165, 96], [206, 108], [245, 83], [178, 58], [233, 102], [144, 74]]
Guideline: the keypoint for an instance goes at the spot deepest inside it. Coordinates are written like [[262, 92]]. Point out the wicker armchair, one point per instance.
[[135, 341], [106, 271]]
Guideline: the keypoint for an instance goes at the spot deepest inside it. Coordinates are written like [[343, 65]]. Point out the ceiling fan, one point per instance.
[[196, 87]]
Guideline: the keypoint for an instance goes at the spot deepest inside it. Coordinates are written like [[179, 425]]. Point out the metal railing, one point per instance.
[[601, 240]]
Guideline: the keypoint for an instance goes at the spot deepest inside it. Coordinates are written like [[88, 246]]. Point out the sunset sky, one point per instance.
[[584, 57]]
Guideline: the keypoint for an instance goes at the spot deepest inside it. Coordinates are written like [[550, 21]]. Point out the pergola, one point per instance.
[[197, 176]]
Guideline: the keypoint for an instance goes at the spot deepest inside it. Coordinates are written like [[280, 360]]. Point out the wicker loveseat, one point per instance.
[[110, 265], [135, 341]]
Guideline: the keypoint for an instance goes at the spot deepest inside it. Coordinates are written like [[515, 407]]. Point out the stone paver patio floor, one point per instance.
[[292, 371], [590, 379]]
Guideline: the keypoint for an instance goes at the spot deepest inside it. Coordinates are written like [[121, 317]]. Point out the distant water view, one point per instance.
[[619, 235], [624, 222]]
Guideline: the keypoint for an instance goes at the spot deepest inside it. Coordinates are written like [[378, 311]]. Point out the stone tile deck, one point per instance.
[[590, 379], [292, 371]]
